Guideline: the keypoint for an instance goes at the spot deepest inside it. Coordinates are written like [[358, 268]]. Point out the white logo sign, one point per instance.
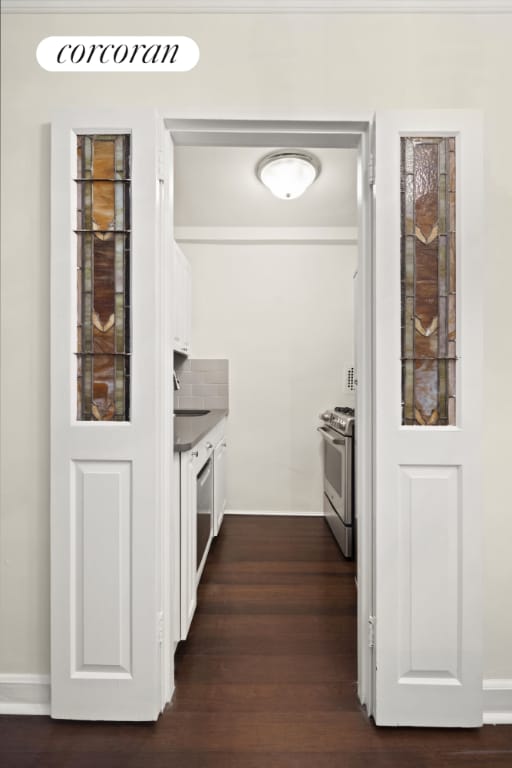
[[117, 54]]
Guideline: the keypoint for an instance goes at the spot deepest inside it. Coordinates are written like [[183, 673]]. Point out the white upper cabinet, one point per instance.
[[182, 315]]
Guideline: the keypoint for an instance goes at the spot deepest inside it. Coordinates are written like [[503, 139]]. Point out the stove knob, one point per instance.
[[325, 416]]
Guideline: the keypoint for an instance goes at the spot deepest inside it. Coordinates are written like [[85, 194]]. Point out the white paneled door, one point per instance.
[[107, 488], [428, 498], [110, 487]]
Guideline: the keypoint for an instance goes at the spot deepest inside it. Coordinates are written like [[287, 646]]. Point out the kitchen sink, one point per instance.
[[190, 413]]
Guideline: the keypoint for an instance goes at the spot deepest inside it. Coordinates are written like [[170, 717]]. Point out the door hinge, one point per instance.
[[160, 627], [371, 631], [161, 174], [371, 171]]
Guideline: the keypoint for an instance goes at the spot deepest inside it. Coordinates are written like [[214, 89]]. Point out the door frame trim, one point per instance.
[[350, 130]]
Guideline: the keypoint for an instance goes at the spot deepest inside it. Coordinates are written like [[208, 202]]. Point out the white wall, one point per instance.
[[273, 312], [261, 66]]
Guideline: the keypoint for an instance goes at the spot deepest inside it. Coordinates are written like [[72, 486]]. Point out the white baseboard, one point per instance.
[[30, 694], [24, 694], [497, 701], [268, 512]]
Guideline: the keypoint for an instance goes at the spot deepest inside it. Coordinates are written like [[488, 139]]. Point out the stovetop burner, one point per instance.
[[345, 410]]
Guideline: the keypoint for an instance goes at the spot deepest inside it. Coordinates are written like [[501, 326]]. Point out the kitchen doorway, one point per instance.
[[354, 133]]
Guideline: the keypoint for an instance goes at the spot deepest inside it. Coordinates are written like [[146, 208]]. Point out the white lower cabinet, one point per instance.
[[219, 485], [202, 493]]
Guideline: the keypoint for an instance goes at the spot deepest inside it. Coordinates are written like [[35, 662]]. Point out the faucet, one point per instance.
[[176, 380]]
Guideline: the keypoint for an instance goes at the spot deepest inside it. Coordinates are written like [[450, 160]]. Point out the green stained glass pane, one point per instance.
[[428, 266], [443, 392], [119, 160], [451, 262], [452, 318], [442, 331], [87, 379], [442, 156], [119, 393], [103, 277], [119, 263], [451, 170], [443, 266], [409, 204], [443, 201], [408, 387], [408, 350], [409, 156], [87, 314], [452, 212], [85, 221], [409, 265]]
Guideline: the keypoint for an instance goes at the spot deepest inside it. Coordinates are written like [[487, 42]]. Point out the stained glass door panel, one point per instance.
[[103, 277], [428, 259]]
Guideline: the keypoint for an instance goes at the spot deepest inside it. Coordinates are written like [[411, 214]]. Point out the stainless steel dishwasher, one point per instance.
[[204, 486]]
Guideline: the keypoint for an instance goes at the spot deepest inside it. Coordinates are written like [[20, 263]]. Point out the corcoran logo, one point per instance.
[[117, 54]]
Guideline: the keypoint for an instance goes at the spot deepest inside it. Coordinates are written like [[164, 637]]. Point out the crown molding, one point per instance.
[[257, 6], [267, 235]]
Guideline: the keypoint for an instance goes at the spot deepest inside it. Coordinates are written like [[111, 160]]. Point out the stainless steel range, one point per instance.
[[337, 431]]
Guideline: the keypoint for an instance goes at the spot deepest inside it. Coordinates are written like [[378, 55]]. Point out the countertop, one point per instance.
[[189, 430]]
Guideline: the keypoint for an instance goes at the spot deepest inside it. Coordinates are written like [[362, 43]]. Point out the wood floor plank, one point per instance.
[[274, 568], [270, 634], [266, 527], [266, 697], [266, 679], [251, 668], [321, 598], [197, 759]]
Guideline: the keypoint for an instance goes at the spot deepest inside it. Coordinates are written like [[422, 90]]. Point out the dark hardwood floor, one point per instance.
[[267, 678]]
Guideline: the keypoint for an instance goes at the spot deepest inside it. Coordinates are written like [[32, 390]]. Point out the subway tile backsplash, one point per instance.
[[203, 383]]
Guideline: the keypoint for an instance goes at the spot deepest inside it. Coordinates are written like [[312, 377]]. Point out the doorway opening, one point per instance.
[[259, 137]]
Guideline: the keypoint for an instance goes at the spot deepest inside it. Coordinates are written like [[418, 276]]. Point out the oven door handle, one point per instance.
[[333, 440], [204, 474]]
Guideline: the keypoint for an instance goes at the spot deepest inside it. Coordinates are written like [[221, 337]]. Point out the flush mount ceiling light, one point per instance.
[[288, 174]]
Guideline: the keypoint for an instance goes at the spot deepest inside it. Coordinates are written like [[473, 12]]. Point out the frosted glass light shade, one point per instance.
[[288, 174]]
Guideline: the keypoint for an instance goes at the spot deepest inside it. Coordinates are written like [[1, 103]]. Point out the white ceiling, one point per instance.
[[217, 186]]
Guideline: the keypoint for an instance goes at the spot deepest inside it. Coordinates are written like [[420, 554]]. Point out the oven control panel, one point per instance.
[[340, 422]]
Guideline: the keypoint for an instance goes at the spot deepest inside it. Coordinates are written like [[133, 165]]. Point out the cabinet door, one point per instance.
[[188, 503], [219, 485], [175, 549], [182, 292], [178, 302], [187, 304]]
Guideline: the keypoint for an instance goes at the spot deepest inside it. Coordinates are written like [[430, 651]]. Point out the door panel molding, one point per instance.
[[102, 544]]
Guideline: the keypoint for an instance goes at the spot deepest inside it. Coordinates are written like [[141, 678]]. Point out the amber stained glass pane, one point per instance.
[[428, 259], [103, 277]]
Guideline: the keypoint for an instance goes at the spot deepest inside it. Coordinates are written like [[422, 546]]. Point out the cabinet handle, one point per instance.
[[208, 446], [224, 445], [195, 454]]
